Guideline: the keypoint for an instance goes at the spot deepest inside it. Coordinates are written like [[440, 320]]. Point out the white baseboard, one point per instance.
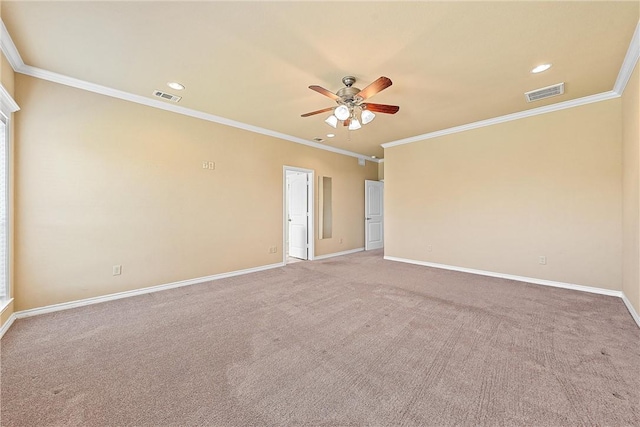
[[632, 310], [543, 282], [350, 251], [7, 324], [135, 292]]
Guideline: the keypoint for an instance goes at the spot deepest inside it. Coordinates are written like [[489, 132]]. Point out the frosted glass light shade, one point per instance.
[[332, 121], [342, 112], [354, 125], [367, 116]]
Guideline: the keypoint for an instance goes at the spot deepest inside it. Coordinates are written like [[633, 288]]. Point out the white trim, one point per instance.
[[563, 285], [135, 292], [7, 324], [143, 100], [543, 282], [4, 304], [7, 103], [509, 117], [311, 250], [18, 65], [632, 310], [9, 48], [350, 251], [629, 63]]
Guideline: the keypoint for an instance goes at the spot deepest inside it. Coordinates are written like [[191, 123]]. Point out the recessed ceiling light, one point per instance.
[[541, 68], [330, 135], [175, 85]]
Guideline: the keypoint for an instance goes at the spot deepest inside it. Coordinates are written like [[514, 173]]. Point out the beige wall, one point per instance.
[[498, 197], [381, 171], [102, 182], [631, 190]]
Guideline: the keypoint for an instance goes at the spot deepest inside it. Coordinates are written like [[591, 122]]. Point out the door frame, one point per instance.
[[310, 210]]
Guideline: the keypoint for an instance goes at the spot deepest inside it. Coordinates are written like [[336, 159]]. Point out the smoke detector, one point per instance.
[[545, 92], [167, 96]]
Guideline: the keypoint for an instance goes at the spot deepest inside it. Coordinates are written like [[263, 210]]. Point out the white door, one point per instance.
[[298, 218], [374, 218]]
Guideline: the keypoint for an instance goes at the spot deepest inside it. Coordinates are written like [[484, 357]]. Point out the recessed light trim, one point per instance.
[[541, 68], [330, 135], [175, 85]]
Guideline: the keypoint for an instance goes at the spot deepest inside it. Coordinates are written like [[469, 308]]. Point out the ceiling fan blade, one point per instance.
[[324, 110], [325, 92], [381, 108], [375, 87], [346, 122]]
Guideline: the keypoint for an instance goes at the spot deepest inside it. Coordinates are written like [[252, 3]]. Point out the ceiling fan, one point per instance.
[[350, 101]]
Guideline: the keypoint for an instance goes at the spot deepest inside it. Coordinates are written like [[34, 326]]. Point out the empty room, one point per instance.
[[304, 213]]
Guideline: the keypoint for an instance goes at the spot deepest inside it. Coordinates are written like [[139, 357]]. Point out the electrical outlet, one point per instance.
[[273, 249], [117, 270], [429, 248], [542, 260], [209, 165], [341, 240]]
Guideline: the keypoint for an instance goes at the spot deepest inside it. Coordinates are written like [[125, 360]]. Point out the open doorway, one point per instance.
[[298, 214]]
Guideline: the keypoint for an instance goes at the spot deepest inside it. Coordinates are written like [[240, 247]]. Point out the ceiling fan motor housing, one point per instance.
[[348, 93]]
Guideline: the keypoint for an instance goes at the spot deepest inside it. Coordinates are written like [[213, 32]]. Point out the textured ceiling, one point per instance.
[[451, 63]]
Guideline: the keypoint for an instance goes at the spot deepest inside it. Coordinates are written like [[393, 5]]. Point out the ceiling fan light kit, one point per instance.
[[332, 121], [350, 102], [342, 112], [367, 116], [354, 124]]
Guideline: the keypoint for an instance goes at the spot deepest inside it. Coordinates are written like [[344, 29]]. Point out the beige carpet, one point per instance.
[[346, 341]]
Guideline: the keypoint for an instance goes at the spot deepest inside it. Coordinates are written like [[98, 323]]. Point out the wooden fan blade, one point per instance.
[[375, 87], [324, 92], [324, 110], [347, 122], [381, 108]]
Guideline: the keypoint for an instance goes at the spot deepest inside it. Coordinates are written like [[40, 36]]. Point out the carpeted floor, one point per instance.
[[346, 341]]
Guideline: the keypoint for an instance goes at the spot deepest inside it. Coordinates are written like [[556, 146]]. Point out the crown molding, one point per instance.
[[509, 117], [11, 52], [143, 100], [13, 56], [9, 49], [629, 63]]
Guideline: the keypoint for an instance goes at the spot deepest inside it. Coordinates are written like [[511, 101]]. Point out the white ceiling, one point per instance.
[[451, 63]]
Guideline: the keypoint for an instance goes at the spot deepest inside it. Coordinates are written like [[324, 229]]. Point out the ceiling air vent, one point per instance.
[[545, 92], [167, 96]]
